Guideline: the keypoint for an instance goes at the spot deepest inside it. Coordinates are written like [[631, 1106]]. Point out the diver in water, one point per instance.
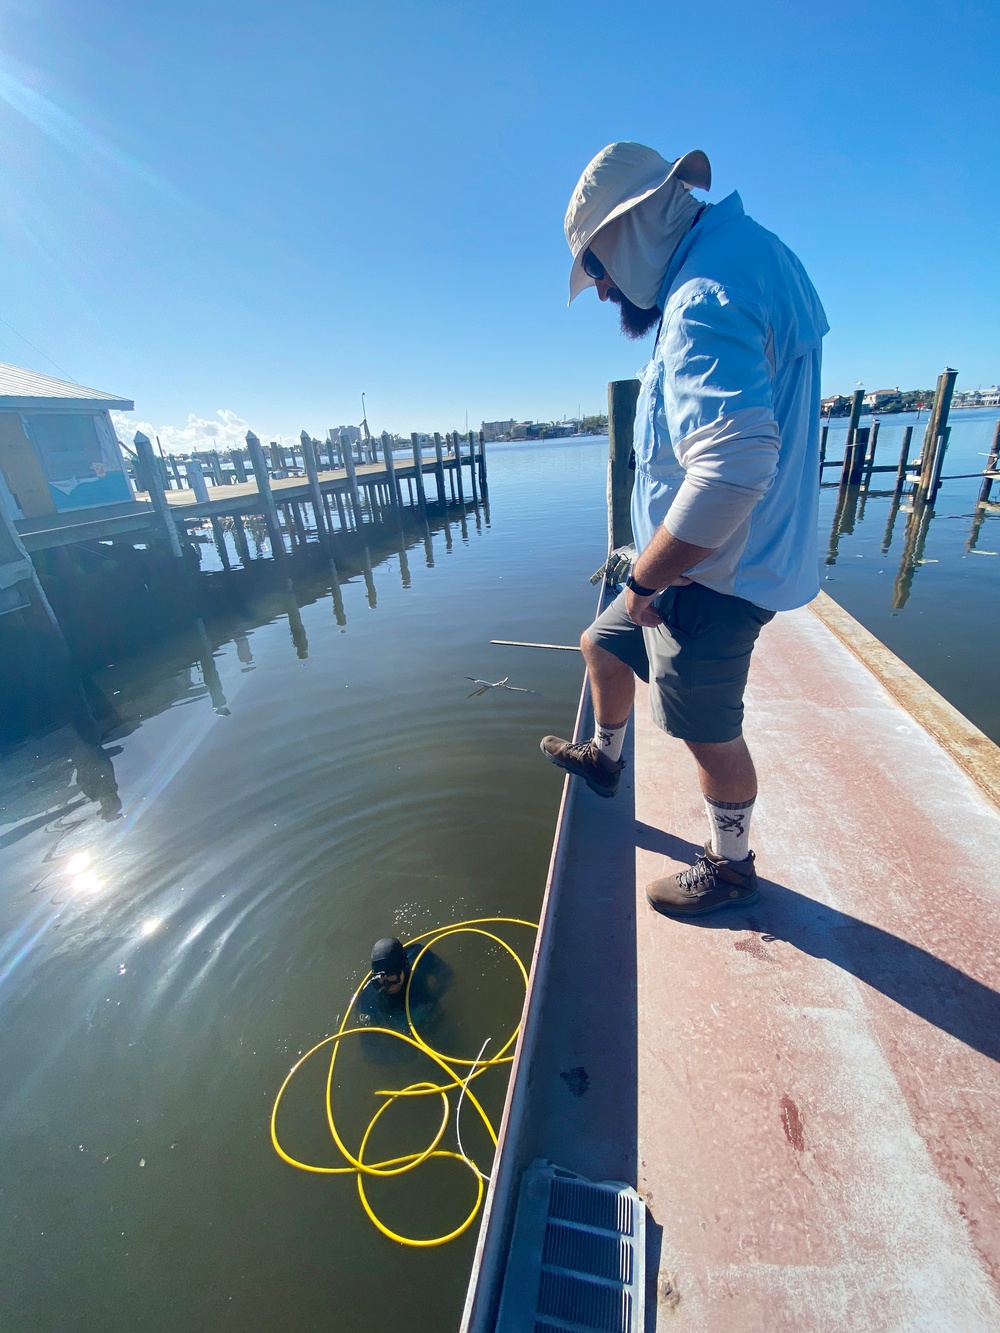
[[382, 1002]]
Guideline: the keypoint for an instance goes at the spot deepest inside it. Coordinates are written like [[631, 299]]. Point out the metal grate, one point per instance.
[[577, 1256]]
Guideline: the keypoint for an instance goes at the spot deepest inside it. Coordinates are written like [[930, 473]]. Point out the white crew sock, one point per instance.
[[608, 741], [730, 824]]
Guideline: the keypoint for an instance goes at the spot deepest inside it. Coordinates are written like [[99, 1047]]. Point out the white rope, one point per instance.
[[458, 1114]]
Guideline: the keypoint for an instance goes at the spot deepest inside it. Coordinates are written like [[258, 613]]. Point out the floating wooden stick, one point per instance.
[[516, 643]]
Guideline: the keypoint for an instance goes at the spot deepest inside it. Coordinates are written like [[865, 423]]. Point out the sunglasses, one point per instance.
[[592, 266]]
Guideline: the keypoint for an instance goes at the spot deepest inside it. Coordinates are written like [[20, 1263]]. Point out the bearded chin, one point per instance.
[[635, 320]]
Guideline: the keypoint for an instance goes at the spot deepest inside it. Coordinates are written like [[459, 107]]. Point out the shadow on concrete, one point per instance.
[[934, 990]]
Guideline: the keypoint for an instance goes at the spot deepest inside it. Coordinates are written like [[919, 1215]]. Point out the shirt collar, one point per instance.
[[722, 212]]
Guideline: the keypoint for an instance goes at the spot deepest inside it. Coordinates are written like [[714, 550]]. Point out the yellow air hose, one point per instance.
[[396, 1166]]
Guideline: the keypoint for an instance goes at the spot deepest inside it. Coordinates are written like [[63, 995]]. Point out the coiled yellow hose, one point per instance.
[[396, 1166]]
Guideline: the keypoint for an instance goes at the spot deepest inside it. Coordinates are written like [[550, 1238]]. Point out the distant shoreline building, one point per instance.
[[880, 398], [497, 430]]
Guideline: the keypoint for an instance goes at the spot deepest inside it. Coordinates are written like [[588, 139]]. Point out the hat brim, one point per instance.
[[693, 169]]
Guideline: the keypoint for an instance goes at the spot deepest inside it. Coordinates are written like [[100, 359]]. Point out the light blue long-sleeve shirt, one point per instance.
[[727, 423]]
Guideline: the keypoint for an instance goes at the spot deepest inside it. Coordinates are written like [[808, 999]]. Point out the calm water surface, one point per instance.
[[189, 906]]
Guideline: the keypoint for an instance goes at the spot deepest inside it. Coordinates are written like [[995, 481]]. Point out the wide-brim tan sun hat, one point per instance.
[[620, 177]]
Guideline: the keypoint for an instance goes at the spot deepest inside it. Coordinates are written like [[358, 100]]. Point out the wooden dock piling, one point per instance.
[[239, 466], [418, 463], [215, 467], [622, 398], [439, 470], [390, 468], [824, 433], [472, 467], [904, 459], [352, 479], [256, 451], [196, 480], [157, 493], [935, 438], [991, 467], [312, 472], [850, 470], [482, 466], [457, 473]]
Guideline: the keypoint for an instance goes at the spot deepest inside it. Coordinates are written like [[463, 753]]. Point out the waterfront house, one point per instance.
[[880, 398], [835, 405], [58, 448]]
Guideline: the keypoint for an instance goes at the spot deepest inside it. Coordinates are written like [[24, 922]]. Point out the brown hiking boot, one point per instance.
[[710, 883], [586, 762]]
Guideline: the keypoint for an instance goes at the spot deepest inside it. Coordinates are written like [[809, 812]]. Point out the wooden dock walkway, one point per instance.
[[344, 497], [806, 1093]]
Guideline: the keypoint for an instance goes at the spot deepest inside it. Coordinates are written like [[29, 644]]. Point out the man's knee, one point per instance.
[[716, 747], [600, 660]]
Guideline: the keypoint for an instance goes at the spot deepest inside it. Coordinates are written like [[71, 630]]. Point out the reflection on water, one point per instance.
[[240, 791]]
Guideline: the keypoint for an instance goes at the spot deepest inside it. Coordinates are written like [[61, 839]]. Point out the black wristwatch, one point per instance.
[[638, 589]]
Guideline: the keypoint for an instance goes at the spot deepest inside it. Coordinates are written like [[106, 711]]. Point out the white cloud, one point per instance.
[[224, 431]]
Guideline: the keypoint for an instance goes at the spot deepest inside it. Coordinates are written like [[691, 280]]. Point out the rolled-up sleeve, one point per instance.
[[716, 366]]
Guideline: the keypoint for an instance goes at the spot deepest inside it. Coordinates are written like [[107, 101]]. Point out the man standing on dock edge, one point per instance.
[[726, 488]]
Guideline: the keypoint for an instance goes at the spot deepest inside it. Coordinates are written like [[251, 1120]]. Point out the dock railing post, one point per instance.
[[418, 463], [439, 469], [312, 472], [622, 398], [395, 493], [259, 465], [157, 492], [936, 436], [239, 466]]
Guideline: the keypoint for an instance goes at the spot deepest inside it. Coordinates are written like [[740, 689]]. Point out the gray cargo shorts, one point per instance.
[[696, 662]]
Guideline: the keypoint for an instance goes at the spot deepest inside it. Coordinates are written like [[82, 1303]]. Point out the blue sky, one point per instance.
[[264, 209]]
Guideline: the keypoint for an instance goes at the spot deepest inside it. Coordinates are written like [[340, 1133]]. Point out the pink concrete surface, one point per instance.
[[818, 1076]]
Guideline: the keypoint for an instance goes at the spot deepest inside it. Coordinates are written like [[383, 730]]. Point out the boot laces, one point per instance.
[[697, 879]]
